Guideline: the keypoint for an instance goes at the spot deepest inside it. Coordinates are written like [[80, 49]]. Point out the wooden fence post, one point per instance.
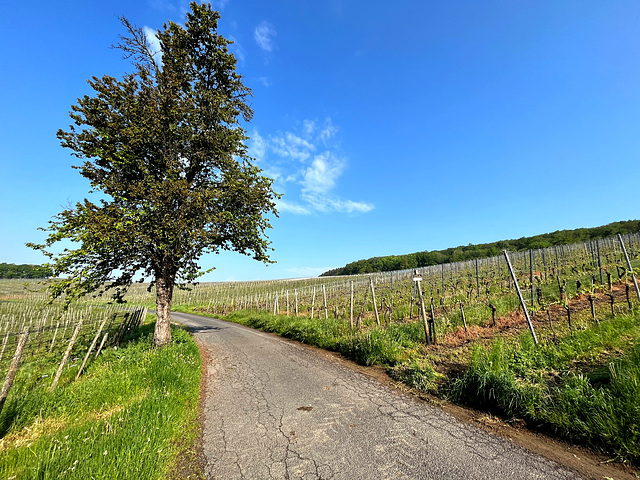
[[351, 308], [13, 368], [373, 295], [91, 347], [65, 358], [427, 336], [524, 306], [324, 294], [633, 277], [464, 320]]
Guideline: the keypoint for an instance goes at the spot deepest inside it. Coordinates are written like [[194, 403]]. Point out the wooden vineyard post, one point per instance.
[[295, 293], [4, 344], [373, 295], [432, 323], [351, 308], [477, 283], [313, 301], [522, 302], [102, 342], [106, 334], [633, 277], [417, 279], [275, 305], [91, 347], [413, 297], [287, 303], [493, 313], [599, 261], [324, 294], [464, 320], [531, 277], [592, 299], [65, 358], [13, 368]]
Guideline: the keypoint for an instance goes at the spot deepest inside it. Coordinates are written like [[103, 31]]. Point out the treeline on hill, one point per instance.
[[470, 252], [10, 270]]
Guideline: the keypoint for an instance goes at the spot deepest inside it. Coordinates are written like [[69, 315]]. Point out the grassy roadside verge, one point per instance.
[[583, 386], [128, 416]]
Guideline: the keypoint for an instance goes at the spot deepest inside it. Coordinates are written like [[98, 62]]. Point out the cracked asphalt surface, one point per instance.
[[277, 410]]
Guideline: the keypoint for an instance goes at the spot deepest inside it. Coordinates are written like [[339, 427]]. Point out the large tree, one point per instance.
[[165, 150]]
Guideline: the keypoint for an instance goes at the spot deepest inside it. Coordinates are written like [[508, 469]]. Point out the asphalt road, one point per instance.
[[277, 410]]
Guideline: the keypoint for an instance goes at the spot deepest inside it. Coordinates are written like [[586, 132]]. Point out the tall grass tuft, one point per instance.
[[597, 406]]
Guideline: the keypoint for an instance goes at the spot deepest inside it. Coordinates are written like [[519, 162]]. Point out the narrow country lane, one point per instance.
[[277, 410]]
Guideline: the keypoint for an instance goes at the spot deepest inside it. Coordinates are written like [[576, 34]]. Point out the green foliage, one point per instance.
[[10, 270], [471, 252], [121, 419], [418, 374], [165, 148]]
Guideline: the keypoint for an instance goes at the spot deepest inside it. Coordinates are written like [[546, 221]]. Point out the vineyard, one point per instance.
[[548, 337], [568, 286], [33, 331], [85, 394]]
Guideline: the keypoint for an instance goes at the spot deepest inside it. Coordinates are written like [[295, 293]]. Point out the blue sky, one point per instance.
[[389, 127]]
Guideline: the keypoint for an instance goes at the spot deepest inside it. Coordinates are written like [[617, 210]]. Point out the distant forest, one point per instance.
[[470, 252], [10, 270]]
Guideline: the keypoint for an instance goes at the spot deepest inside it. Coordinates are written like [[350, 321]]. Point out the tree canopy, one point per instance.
[[165, 148], [11, 270], [471, 252]]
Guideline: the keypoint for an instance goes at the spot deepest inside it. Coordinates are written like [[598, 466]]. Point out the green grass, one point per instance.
[[585, 388], [373, 345], [123, 418]]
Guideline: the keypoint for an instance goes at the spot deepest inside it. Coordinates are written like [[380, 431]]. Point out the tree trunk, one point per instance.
[[164, 294]]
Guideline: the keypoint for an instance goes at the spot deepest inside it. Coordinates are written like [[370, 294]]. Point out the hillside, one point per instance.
[[470, 252]]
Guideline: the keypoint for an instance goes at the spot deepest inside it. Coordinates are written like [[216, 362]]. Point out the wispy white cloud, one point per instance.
[[306, 165], [283, 206], [321, 175], [152, 38], [292, 146], [257, 146], [265, 81], [219, 4], [238, 50], [263, 34], [308, 126]]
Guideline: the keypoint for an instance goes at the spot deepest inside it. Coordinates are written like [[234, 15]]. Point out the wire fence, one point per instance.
[[37, 332]]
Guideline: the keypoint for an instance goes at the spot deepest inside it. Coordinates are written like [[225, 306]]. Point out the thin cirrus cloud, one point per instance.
[[305, 165], [263, 35]]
